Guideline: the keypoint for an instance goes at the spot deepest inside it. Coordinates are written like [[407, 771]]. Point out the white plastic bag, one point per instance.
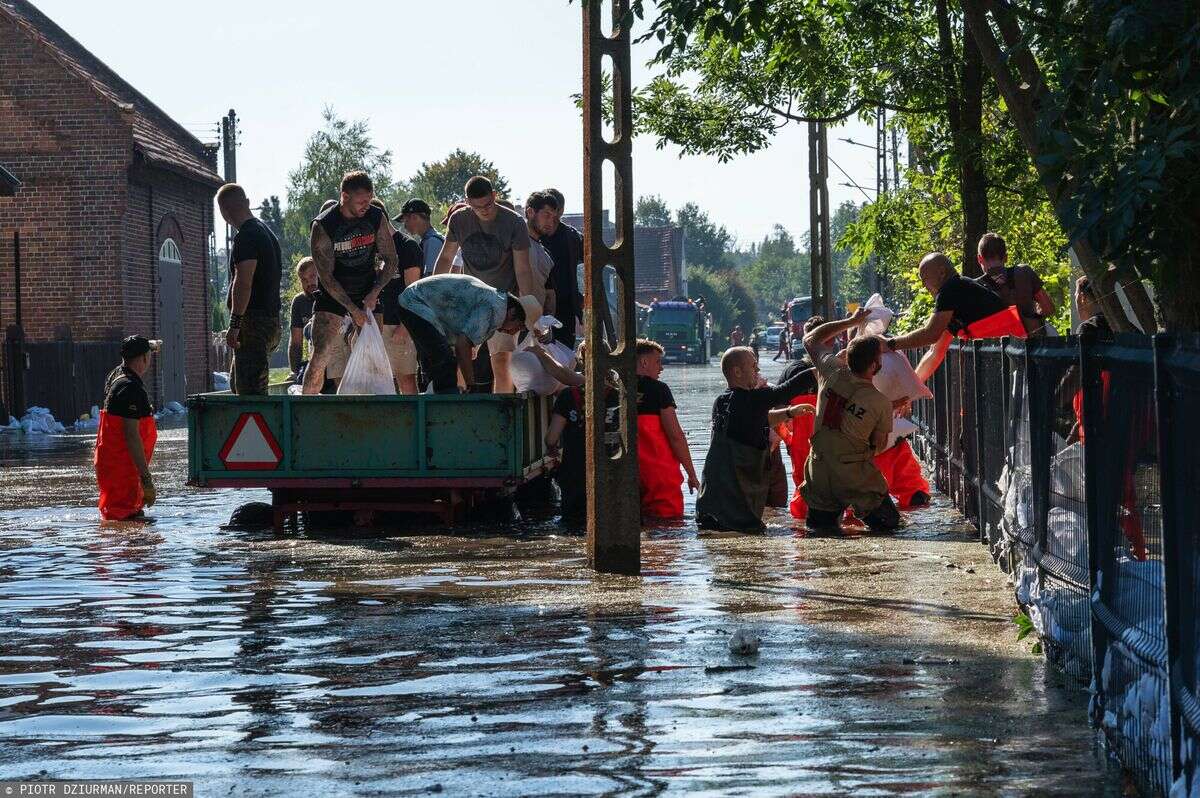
[[897, 379], [880, 316], [368, 371], [528, 374]]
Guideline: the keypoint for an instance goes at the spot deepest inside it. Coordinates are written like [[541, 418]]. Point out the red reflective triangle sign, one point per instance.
[[251, 446]]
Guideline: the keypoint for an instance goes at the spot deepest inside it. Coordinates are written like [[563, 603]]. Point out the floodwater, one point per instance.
[[492, 662]]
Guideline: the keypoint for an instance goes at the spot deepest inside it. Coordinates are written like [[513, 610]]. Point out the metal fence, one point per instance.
[[1079, 462], [65, 376]]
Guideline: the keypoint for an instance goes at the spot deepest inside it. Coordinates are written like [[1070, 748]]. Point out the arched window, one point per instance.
[[169, 251]]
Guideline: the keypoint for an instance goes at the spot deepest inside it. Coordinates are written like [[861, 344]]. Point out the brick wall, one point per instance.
[[91, 217], [69, 147], [164, 205]]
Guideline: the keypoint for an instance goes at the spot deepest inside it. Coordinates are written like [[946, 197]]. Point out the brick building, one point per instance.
[[658, 266], [107, 234]]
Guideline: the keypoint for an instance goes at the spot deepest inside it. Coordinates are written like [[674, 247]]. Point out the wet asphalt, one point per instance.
[[488, 660]]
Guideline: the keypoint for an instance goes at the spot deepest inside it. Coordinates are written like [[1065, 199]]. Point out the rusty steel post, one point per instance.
[[614, 524]]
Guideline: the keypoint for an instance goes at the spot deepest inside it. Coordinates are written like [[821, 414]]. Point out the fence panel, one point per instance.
[[1056, 597], [1130, 689], [992, 421], [1178, 374]]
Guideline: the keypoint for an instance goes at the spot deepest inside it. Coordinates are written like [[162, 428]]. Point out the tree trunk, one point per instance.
[[972, 172], [1023, 101], [952, 85]]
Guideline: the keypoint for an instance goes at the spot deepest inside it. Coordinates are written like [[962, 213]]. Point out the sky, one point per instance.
[[429, 77]]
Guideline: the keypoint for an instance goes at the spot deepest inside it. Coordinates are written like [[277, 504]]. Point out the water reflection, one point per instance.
[[493, 662]]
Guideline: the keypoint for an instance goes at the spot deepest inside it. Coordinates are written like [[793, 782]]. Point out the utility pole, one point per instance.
[[820, 258], [229, 152], [881, 152], [614, 524]]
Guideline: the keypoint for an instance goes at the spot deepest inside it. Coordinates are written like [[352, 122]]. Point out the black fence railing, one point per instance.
[[1079, 462]]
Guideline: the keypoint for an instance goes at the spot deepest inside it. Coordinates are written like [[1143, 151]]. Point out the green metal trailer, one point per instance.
[[439, 454]]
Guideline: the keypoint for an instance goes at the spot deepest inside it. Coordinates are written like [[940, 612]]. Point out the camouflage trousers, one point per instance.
[[251, 369]]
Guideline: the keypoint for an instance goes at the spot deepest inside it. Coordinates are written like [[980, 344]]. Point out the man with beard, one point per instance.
[[565, 245], [346, 241]]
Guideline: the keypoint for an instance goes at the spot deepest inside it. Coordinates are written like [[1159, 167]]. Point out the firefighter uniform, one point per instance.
[[840, 470]]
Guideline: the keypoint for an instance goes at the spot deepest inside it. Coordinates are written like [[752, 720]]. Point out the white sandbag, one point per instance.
[[880, 316], [897, 380], [368, 372], [901, 428], [39, 420], [527, 371]]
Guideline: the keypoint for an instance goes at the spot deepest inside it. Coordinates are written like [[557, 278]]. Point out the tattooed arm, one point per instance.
[[391, 262], [322, 254]]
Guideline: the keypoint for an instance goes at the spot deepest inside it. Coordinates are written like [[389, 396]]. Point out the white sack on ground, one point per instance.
[[368, 372]]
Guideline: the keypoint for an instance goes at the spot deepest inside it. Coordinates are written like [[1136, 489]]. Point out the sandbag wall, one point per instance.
[[1079, 462]]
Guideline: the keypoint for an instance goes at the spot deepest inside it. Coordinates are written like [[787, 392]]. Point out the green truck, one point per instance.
[[682, 328], [427, 453]]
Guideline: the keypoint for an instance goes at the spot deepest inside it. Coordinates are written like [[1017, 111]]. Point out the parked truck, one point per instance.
[[682, 328]]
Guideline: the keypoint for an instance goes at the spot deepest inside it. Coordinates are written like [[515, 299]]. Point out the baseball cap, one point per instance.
[[136, 345], [415, 206], [533, 310]]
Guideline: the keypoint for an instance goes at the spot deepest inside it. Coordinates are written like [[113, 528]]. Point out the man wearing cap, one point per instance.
[[400, 351], [255, 264], [448, 315], [414, 217], [126, 436]]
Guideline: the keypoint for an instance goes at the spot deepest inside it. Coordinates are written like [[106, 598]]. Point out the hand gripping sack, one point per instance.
[[880, 316], [368, 371], [528, 373], [896, 379]]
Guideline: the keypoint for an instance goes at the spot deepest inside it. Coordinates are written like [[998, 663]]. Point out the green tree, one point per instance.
[[271, 215], [726, 297], [340, 146], [652, 211], [777, 271], [704, 242], [440, 183]]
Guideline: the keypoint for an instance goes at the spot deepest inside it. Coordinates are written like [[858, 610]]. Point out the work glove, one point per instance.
[[149, 494]]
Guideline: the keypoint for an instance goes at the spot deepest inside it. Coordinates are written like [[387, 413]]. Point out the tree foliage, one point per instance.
[[651, 211], [705, 242], [340, 146], [725, 296], [440, 183]]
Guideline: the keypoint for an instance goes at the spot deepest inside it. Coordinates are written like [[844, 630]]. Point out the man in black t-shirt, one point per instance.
[[126, 436], [662, 446], [566, 433], [401, 353], [255, 264], [346, 241], [301, 313], [565, 245], [962, 308]]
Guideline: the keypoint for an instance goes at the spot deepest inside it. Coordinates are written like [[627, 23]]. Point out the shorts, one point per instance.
[[402, 354], [338, 350], [502, 342], [328, 304]]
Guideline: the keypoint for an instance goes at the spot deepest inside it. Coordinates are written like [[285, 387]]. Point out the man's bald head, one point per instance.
[[935, 270]]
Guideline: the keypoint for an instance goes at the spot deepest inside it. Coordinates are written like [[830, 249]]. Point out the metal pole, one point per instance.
[[826, 216], [229, 153], [614, 528]]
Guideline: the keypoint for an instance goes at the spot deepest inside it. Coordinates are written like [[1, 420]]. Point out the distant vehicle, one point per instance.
[[798, 311], [771, 340], [683, 330]]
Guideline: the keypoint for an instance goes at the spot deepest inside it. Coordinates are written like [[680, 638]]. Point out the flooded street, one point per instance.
[[493, 662]]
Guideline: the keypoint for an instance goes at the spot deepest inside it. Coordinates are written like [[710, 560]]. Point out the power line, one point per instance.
[[852, 184]]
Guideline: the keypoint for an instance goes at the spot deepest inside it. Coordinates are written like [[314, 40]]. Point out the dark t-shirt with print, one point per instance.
[[125, 395], [409, 256], [255, 241], [302, 310], [968, 300], [653, 396], [354, 249]]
